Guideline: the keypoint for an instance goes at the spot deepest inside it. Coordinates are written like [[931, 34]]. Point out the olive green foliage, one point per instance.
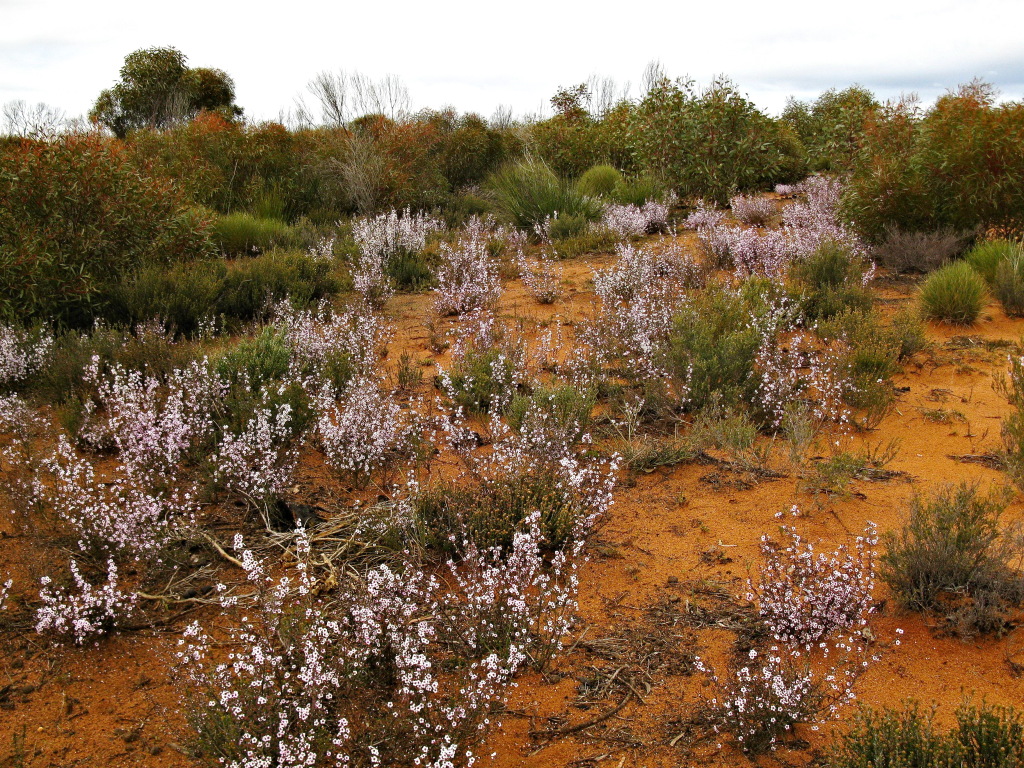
[[465, 148], [599, 181], [573, 140], [711, 142], [984, 736], [987, 255], [1009, 285], [1012, 388], [830, 128], [527, 192], [567, 408], [488, 511], [638, 190], [952, 556], [482, 379], [157, 90], [244, 234], [77, 217], [830, 281], [955, 294], [956, 165], [712, 348], [186, 296]]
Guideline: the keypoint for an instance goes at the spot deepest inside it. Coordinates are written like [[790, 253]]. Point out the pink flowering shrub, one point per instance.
[[351, 679], [258, 462], [704, 216], [117, 518], [803, 369], [540, 276], [628, 221], [361, 433], [153, 424], [754, 210], [467, 275], [84, 611], [804, 596], [382, 239]]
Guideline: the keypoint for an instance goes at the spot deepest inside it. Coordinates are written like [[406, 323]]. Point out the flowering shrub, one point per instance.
[[540, 277], [381, 240], [764, 699], [328, 346], [318, 681], [807, 370], [752, 209], [152, 424], [89, 612], [116, 519], [467, 276], [257, 463], [628, 221], [704, 215], [362, 432], [22, 353], [803, 596]]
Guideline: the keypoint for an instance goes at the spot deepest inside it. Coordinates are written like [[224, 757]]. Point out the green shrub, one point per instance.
[[986, 257], [709, 143], [565, 406], [480, 380], [984, 737], [830, 281], [567, 227], [955, 294], [252, 286], [1009, 285], [488, 512], [528, 192], [830, 128], [952, 556], [183, 296], [712, 348], [77, 217], [639, 190], [957, 165], [242, 234], [599, 181]]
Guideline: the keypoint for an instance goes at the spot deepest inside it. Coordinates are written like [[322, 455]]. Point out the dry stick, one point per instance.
[[585, 725], [220, 550]]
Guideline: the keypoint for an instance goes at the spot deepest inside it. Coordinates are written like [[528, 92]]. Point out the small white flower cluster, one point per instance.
[[85, 611], [22, 353], [540, 276], [803, 596], [805, 369], [628, 221], [258, 463]]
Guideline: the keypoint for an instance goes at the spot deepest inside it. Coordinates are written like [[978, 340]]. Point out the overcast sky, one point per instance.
[[476, 55]]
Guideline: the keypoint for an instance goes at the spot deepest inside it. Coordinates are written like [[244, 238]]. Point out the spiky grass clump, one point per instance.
[[954, 294], [242, 233], [986, 257], [528, 192], [1009, 284], [599, 181]]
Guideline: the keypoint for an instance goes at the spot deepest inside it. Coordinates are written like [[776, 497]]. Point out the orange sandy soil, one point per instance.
[[677, 541]]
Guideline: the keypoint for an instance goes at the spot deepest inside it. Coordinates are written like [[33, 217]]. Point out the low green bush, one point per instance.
[[599, 181], [986, 256], [954, 294], [639, 190], [483, 379], [1009, 285], [830, 281], [242, 234], [984, 736], [952, 557]]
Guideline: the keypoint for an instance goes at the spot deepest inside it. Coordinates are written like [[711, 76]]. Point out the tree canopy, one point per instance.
[[157, 89]]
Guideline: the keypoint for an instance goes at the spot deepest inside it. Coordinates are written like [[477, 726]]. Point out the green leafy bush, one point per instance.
[[710, 143], [955, 294], [956, 165], [528, 192], [984, 737], [639, 190], [77, 218], [831, 127], [482, 379], [952, 556]]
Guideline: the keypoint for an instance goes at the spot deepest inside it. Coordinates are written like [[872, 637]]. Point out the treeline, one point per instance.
[[78, 208]]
